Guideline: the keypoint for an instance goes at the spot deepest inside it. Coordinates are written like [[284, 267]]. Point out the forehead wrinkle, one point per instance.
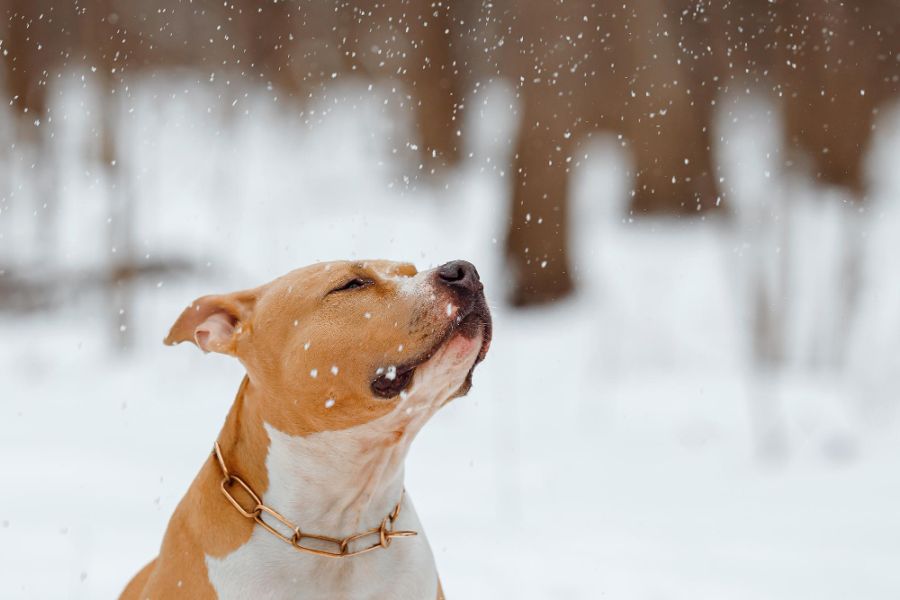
[[367, 270]]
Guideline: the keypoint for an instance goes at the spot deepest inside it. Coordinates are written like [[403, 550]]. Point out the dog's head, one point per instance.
[[339, 344]]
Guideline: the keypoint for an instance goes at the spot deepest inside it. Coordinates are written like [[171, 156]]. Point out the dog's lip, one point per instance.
[[476, 319], [478, 322]]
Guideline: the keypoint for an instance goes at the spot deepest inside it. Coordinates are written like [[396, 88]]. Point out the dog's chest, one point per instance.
[[267, 568]]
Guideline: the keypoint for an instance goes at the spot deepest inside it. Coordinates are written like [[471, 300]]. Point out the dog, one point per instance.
[[303, 495]]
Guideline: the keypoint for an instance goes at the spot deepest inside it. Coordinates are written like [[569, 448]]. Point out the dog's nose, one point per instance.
[[459, 274]]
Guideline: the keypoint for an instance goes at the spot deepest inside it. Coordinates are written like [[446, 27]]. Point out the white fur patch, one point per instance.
[[417, 285]]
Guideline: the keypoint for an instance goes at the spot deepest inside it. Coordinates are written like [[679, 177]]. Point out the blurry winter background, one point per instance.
[[685, 213]]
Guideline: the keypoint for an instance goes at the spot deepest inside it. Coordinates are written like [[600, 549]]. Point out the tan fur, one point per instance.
[[284, 330]]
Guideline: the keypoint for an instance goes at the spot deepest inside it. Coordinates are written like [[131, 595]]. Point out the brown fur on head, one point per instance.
[[335, 345]]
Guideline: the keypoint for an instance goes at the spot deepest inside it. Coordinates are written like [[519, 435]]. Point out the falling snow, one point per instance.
[[697, 201]]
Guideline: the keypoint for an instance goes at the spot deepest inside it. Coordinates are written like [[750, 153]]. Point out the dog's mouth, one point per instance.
[[475, 321]]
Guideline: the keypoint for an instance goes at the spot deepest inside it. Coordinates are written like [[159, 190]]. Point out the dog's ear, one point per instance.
[[214, 323]]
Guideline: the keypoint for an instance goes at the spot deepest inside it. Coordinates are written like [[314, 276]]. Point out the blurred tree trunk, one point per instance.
[[538, 233], [27, 70], [674, 167], [432, 77], [677, 58], [103, 36]]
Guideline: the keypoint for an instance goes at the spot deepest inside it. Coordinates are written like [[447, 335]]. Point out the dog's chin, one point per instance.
[[466, 348], [462, 350], [476, 325]]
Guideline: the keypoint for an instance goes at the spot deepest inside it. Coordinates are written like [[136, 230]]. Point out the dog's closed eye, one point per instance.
[[355, 283]]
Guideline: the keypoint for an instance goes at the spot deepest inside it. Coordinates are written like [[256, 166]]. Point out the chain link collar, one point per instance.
[[385, 531]]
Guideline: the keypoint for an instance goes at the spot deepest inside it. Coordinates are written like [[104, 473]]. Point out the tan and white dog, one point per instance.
[[345, 362]]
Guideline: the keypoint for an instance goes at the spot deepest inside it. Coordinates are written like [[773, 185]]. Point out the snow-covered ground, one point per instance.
[[617, 445]]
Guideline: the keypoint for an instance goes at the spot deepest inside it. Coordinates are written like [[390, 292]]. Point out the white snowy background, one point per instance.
[[620, 444]]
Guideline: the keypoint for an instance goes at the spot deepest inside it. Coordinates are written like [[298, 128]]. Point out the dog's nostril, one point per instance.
[[451, 273], [458, 272]]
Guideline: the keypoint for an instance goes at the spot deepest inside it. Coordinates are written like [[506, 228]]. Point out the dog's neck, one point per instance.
[[334, 483], [331, 483]]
